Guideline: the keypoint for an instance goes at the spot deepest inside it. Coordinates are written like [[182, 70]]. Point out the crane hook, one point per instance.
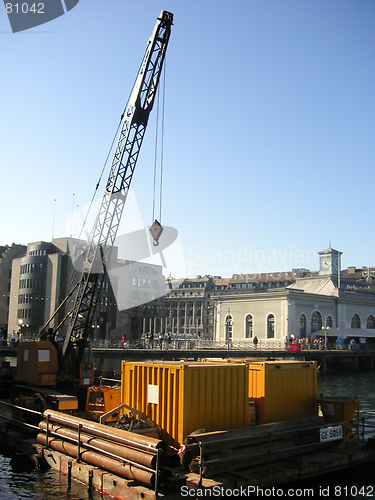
[[156, 229]]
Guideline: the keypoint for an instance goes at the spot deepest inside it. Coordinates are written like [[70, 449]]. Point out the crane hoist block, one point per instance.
[[156, 230]]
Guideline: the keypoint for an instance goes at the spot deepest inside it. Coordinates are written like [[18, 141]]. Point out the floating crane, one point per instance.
[[75, 364]]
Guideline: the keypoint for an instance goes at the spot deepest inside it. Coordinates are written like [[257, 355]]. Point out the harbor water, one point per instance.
[[356, 483]]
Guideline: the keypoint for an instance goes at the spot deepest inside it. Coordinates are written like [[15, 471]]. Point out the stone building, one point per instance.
[[312, 302], [192, 306], [187, 307]]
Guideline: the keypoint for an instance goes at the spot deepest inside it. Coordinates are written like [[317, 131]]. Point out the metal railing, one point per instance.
[[188, 344], [272, 453]]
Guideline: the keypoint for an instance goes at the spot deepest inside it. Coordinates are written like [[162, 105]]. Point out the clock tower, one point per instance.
[[330, 262]]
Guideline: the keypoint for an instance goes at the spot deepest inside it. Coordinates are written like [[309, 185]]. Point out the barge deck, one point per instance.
[[303, 466]]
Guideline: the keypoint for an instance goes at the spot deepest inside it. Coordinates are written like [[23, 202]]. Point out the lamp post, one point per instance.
[[325, 328], [229, 324]]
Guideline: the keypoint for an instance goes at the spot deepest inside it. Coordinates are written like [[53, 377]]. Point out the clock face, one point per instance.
[[335, 265], [325, 264]]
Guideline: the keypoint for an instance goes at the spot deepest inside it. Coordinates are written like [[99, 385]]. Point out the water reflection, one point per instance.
[[16, 484]]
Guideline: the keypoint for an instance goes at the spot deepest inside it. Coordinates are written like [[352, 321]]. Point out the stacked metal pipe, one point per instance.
[[126, 454]]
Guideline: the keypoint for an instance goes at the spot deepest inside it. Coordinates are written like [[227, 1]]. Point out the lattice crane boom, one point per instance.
[[132, 130]]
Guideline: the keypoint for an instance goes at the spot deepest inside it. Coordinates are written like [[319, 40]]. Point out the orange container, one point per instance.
[[182, 397], [283, 390]]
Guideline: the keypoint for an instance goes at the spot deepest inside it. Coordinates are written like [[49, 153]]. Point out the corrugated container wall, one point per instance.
[[183, 397], [283, 390]]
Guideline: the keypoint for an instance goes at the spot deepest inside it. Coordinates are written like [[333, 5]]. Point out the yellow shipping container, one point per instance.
[[182, 397], [283, 390]]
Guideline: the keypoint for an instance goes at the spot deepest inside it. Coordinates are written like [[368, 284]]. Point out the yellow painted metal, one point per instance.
[[63, 402], [37, 363], [182, 397], [283, 390], [341, 409], [100, 400]]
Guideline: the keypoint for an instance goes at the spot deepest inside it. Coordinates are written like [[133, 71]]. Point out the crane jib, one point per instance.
[[126, 153]]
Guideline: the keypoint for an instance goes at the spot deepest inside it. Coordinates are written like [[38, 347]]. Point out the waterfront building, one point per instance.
[[187, 307], [7, 254], [40, 281], [140, 294], [191, 308], [136, 300], [313, 303]]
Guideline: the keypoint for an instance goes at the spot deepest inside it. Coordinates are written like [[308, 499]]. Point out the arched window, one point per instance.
[[302, 325], [371, 322], [270, 326], [356, 322], [249, 327], [316, 321], [329, 321], [228, 327]]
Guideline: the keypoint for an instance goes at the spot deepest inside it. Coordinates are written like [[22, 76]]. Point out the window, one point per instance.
[[302, 325], [356, 322], [316, 321], [249, 327], [270, 326], [371, 322], [329, 322]]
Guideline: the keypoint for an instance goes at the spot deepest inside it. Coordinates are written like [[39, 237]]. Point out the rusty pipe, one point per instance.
[[139, 457], [120, 436], [111, 465]]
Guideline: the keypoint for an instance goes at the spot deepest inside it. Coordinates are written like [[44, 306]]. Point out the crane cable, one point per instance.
[[100, 178], [75, 273], [156, 150]]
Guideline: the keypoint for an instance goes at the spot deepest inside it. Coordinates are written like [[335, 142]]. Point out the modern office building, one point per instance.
[[40, 282], [7, 254]]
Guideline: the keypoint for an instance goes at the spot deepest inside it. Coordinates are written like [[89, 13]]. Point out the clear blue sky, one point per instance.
[[269, 126]]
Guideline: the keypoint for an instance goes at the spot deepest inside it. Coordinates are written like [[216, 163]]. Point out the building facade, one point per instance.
[[312, 303], [40, 282], [7, 254]]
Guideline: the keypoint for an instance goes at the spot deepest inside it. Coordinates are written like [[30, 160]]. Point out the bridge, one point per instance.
[[109, 355]]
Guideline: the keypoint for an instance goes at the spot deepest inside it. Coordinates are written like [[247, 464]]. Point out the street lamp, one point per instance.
[[228, 325]]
